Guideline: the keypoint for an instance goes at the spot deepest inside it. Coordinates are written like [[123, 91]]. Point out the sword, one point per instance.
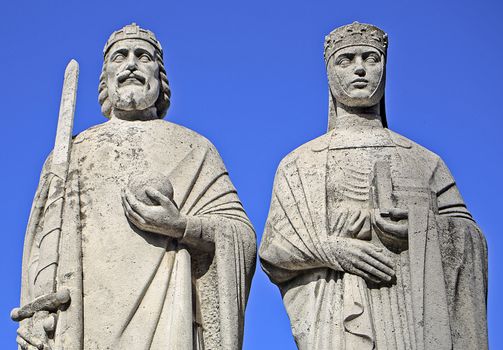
[[47, 297]]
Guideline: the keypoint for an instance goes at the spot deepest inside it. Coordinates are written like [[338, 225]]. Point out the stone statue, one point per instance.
[[155, 250], [368, 238]]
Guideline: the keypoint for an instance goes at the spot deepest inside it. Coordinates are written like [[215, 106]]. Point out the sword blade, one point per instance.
[[45, 278], [70, 325], [62, 146]]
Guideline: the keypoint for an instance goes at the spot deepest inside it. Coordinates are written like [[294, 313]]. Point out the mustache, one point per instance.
[[123, 76]]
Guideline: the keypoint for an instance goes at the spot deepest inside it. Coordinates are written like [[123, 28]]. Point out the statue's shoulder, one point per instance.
[[94, 132], [157, 128], [414, 148], [184, 135], [89, 132], [307, 150]]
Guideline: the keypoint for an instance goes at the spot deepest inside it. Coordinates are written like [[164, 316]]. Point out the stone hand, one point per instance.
[[363, 259], [393, 226], [36, 332], [163, 217]]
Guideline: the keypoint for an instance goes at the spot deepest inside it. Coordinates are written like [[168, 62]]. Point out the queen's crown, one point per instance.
[[355, 34]]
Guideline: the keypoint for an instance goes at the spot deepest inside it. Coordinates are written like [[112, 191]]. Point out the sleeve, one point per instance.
[[289, 243], [449, 200], [215, 208], [33, 230], [464, 258], [218, 226]]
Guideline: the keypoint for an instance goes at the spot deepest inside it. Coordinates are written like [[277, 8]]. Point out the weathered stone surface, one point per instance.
[[367, 236], [156, 249]]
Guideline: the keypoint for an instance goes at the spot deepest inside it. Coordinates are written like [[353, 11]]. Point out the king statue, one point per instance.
[[368, 237], [152, 249]]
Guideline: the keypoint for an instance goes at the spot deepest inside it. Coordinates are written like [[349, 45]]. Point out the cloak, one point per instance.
[[125, 284], [444, 269]]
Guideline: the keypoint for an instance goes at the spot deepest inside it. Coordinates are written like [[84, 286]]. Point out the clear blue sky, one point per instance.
[[249, 75]]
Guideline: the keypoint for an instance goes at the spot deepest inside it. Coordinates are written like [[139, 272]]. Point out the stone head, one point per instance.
[[355, 56], [133, 77]]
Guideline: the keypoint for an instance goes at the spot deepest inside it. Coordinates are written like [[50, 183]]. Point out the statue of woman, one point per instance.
[[368, 237]]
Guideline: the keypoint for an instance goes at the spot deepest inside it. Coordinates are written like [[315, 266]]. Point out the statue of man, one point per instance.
[[164, 253], [367, 236]]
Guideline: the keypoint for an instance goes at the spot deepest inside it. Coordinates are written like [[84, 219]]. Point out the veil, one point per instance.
[[332, 111]]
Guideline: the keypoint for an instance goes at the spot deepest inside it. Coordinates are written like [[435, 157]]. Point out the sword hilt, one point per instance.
[[50, 302]]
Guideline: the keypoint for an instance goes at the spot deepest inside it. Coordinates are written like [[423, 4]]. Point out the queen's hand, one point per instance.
[[397, 225], [362, 258]]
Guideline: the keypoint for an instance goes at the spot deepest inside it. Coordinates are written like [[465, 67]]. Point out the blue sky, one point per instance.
[[249, 75]]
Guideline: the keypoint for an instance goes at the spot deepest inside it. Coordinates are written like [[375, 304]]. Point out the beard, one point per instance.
[[133, 97]]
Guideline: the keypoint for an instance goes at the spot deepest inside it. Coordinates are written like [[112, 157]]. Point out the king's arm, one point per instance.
[[214, 208], [201, 230], [206, 204], [34, 232], [33, 313]]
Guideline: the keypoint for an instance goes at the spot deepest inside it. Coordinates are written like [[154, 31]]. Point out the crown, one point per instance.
[[355, 34], [132, 31]]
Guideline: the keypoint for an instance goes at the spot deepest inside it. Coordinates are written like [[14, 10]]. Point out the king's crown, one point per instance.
[[132, 31]]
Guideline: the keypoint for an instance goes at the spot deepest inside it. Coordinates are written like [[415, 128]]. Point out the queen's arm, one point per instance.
[[464, 258]]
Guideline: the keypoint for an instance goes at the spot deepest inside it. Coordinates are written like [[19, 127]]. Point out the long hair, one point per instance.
[[163, 101]]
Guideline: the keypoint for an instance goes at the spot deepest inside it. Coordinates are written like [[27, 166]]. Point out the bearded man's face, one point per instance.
[[132, 75]]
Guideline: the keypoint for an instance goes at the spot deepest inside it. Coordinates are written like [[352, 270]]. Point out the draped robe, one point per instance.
[[438, 298], [127, 288]]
